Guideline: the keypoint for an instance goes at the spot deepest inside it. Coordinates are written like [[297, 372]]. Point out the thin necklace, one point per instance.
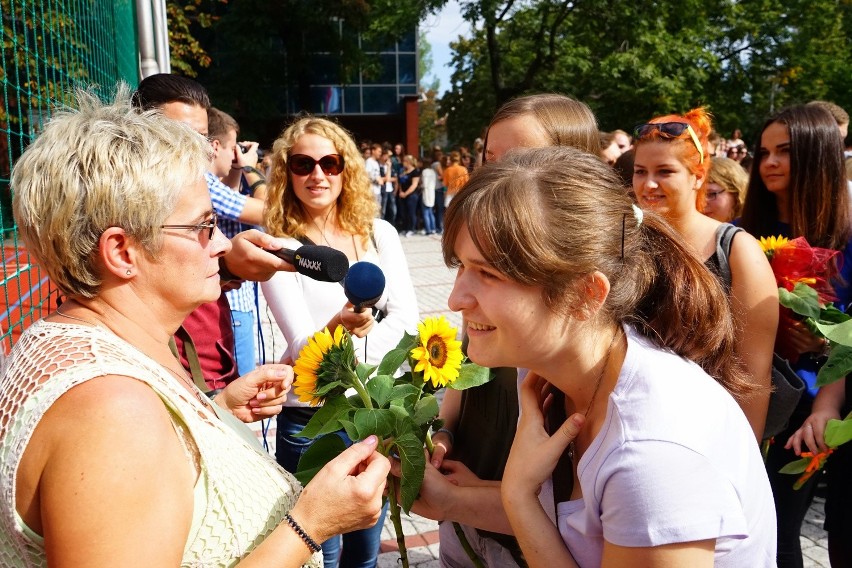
[[69, 316], [324, 223], [193, 389], [571, 446], [322, 233]]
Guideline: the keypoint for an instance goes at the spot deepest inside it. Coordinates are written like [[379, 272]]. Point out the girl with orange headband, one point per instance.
[[670, 169]]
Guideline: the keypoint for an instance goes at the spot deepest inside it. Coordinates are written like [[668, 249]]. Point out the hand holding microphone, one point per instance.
[[364, 285]]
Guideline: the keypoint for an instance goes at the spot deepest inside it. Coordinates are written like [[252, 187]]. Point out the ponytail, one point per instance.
[[685, 308]]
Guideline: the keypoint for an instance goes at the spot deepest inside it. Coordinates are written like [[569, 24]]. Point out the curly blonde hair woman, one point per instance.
[[320, 193], [287, 216]]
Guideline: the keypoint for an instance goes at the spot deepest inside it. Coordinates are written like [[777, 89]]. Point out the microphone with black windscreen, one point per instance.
[[318, 262], [364, 285]]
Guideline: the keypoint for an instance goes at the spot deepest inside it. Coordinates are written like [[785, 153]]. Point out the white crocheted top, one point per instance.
[[241, 494]]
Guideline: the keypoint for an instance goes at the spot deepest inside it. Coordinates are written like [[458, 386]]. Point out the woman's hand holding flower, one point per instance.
[[258, 394], [802, 340], [346, 494], [812, 433], [442, 445]]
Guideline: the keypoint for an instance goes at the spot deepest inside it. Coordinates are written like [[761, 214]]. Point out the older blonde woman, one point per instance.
[[111, 455], [725, 189]]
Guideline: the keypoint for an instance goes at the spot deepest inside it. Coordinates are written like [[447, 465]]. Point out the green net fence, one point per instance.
[[49, 48]]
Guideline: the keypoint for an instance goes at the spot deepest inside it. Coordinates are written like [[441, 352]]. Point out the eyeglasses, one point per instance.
[[302, 165], [210, 225], [671, 130]]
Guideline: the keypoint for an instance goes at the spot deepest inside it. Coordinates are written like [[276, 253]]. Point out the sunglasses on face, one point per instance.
[[209, 226], [670, 130], [302, 165]]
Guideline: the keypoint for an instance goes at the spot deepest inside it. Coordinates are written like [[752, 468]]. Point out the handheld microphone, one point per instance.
[[318, 262], [364, 285]]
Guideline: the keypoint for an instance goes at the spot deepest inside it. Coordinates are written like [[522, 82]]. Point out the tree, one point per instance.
[[185, 17], [431, 125], [630, 61]]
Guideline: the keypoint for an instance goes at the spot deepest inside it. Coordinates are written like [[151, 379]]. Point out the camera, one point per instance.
[[243, 148]]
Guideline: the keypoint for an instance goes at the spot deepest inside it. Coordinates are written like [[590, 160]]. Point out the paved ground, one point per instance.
[[433, 283]]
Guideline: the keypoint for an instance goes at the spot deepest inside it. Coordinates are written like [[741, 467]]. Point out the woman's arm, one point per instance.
[[449, 413], [695, 554], [113, 478], [401, 311], [754, 302], [532, 460]]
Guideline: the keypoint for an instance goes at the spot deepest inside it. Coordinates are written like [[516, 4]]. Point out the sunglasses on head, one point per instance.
[[670, 130], [302, 165]]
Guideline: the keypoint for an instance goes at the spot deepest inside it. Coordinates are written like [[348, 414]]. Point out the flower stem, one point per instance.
[[362, 391], [397, 521], [467, 547], [459, 532]]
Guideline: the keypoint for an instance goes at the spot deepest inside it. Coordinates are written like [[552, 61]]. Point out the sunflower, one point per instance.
[[771, 244], [315, 374], [439, 354]]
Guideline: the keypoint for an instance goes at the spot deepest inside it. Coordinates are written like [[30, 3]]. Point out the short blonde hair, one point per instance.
[[356, 206], [102, 165], [731, 177]]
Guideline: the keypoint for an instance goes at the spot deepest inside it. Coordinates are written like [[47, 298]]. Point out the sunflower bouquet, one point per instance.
[[802, 273], [394, 401]]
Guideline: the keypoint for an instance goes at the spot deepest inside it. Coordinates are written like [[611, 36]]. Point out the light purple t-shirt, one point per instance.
[[675, 461]]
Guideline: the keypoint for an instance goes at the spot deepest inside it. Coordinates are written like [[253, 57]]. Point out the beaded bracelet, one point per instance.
[[312, 544], [449, 435]]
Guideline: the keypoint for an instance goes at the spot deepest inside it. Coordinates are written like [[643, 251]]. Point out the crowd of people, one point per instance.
[[612, 281]]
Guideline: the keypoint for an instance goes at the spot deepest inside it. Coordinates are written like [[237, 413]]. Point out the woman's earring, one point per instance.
[[128, 272]]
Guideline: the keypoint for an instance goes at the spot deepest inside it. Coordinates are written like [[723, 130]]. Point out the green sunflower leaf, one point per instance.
[[413, 461], [839, 365], [408, 342], [471, 375], [380, 389], [837, 332], [838, 432], [317, 455], [327, 418], [794, 467], [830, 314], [405, 391], [392, 360], [803, 300], [351, 429], [401, 416], [364, 371], [425, 410], [380, 422]]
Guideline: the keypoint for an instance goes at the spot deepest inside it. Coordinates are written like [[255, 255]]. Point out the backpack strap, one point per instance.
[[724, 237]]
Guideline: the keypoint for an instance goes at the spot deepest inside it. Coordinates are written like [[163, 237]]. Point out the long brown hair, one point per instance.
[[548, 216], [818, 196]]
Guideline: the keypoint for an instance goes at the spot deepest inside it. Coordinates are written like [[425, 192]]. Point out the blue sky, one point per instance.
[[441, 29]]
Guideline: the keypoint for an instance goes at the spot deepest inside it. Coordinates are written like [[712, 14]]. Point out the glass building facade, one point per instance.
[[377, 89]]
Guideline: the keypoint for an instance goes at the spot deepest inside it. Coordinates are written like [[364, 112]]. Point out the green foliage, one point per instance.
[[838, 432], [399, 411], [630, 61]]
